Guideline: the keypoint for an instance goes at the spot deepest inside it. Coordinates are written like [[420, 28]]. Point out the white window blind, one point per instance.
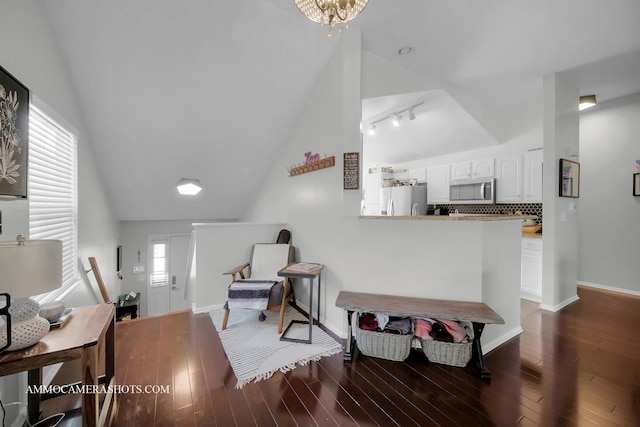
[[160, 265], [52, 189]]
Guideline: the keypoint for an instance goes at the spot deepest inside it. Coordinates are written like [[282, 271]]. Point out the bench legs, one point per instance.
[[477, 360], [351, 341]]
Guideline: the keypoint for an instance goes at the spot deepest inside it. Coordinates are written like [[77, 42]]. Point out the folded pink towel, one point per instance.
[[454, 328], [422, 328]]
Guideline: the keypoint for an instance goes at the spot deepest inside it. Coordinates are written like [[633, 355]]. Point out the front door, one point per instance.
[[167, 273], [178, 255]]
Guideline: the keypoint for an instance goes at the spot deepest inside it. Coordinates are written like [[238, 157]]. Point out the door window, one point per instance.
[[159, 267]]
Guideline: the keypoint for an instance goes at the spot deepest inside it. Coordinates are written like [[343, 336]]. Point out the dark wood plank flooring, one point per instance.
[[576, 367]]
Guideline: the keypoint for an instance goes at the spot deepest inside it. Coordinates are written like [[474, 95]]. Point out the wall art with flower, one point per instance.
[[14, 136]]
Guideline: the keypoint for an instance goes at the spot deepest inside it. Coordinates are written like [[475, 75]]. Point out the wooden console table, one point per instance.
[[89, 332], [477, 313]]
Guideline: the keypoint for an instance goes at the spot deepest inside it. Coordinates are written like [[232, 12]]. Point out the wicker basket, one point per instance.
[[385, 346], [447, 353]]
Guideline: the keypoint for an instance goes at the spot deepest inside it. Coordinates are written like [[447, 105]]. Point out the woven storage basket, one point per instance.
[[383, 345], [447, 353]]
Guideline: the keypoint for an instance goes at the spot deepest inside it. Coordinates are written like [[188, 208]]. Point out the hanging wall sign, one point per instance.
[[351, 171]]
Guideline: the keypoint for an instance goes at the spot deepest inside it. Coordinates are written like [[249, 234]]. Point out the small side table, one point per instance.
[[303, 270], [127, 307]]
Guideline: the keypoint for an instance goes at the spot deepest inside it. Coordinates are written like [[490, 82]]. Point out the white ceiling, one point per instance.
[[208, 89]]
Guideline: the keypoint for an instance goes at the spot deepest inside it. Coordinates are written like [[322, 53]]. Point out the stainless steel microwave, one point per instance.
[[477, 191]]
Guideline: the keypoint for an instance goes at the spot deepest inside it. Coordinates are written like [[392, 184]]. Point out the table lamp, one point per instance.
[[27, 268]]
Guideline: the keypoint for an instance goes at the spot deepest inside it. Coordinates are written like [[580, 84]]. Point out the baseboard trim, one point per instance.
[[561, 305], [205, 309], [497, 342], [610, 288]]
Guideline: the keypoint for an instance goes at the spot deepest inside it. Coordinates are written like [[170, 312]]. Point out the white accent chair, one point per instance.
[[265, 262]]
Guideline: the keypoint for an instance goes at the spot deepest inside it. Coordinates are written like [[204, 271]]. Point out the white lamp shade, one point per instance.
[[31, 268]]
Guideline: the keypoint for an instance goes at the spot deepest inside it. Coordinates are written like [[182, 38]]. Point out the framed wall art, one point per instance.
[[636, 184], [569, 178], [14, 136]]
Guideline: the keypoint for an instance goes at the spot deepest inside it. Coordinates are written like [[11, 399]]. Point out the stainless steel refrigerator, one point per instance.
[[403, 201]]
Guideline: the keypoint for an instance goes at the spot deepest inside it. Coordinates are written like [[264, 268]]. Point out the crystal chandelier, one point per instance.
[[331, 12]]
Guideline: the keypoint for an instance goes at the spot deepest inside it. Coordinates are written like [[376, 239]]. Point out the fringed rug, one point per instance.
[[255, 351]]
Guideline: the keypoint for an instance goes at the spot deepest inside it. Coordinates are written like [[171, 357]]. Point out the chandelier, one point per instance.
[[331, 12]]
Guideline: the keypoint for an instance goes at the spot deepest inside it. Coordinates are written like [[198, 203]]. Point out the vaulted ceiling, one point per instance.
[[208, 89]]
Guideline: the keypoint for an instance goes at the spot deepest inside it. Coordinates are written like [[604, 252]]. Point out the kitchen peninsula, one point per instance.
[[460, 258]]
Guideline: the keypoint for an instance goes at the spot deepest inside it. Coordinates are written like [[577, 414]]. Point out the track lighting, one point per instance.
[[412, 116], [397, 116]]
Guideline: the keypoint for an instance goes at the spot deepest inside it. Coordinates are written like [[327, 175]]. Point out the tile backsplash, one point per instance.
[[525, 208]]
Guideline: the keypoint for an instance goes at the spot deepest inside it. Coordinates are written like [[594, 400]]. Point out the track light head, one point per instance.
[[412, 116], [396, 119], [372, 129]]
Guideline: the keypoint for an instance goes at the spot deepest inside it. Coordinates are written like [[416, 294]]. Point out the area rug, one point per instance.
[[255, 351]]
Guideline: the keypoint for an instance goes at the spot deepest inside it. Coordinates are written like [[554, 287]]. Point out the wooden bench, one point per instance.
[[477, 313]]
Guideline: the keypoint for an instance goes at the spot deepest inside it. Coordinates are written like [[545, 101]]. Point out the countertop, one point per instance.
[[458, 217], [532, 235]]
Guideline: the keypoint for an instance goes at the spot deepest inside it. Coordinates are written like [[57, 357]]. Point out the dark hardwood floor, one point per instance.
[[576, 367]]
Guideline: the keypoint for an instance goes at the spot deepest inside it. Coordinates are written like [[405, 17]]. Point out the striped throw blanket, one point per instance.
[[249, 293]]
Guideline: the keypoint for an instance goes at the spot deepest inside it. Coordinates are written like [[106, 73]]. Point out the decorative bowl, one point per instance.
[[52, 310]]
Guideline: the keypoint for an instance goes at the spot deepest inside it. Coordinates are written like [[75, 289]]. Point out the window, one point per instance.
[[159, 264], [52, 191]]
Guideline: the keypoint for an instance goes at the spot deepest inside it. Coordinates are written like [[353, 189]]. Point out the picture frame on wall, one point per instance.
[[14, 136], [636, 184], [569, 178]]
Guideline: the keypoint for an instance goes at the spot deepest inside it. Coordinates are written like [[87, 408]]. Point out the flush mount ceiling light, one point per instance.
[[331, 12], [587, 101], [189, 187]]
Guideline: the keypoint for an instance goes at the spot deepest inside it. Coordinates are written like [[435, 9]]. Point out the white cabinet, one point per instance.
[[473, 169], [519, 177], [420, 174], [438, 184], [482, 168], [531, 269], [461, 170], [509, 178], [532, 176]]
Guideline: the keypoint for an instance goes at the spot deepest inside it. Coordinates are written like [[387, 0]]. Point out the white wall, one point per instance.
[[28, 51], [608, 221], [561, 238], [429, 259]]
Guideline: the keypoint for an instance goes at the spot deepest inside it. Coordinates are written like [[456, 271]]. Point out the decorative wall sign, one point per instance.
[[14, 136], [569, 178], [310, 166], [351, 174]]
